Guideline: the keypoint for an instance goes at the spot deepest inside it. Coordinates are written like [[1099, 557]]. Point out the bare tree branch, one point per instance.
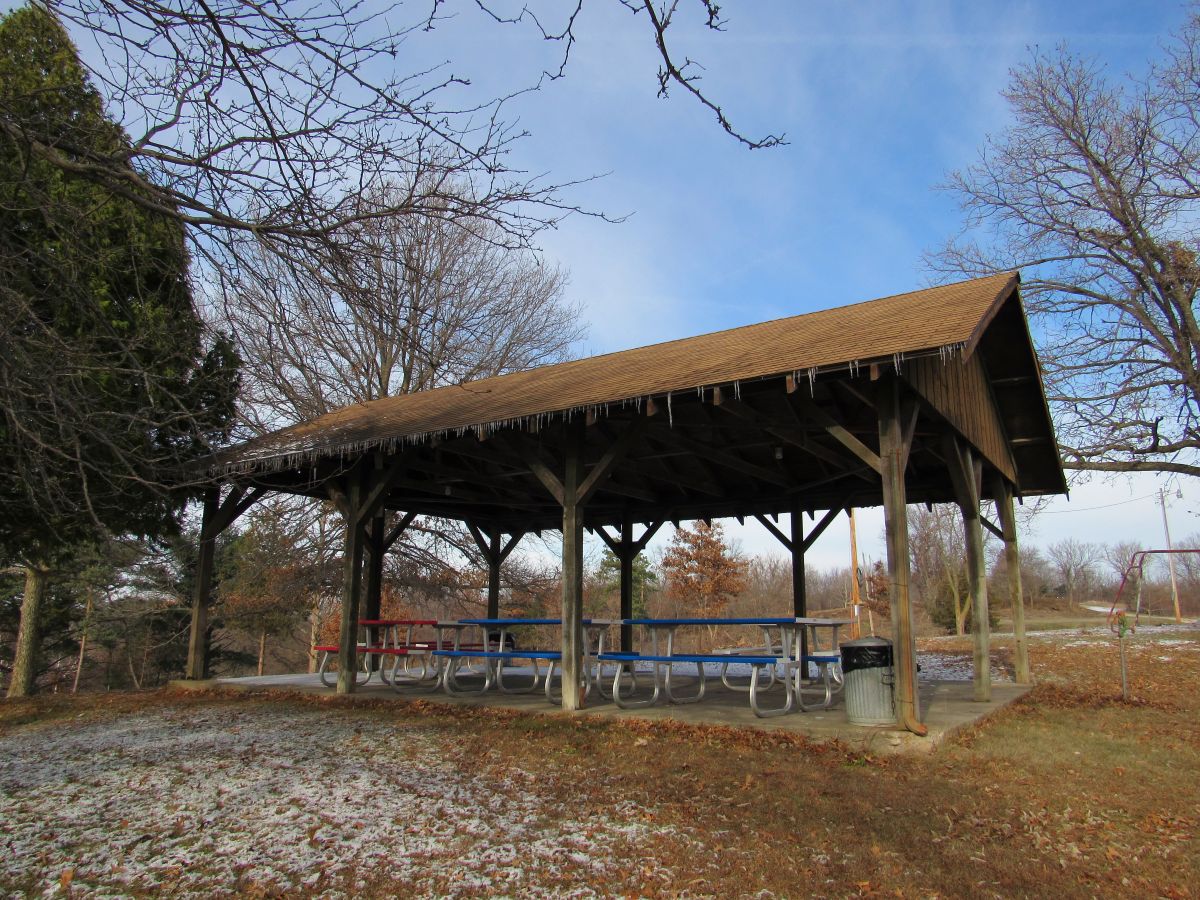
[[1093, 194]]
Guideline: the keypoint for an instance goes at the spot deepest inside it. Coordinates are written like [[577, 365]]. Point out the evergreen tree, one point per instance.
[[106, 391], [645, 579]]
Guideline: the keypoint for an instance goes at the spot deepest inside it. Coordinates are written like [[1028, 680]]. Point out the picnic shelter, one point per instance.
[[931, 396]]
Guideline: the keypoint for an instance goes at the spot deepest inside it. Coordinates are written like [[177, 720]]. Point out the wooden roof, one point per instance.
[[832, 355], [903, 324]]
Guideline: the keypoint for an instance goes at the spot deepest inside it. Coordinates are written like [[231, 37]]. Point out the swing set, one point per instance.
[[1135, 571]]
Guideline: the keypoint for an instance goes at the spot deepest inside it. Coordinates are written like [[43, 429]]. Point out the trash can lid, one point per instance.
[[866, 642]]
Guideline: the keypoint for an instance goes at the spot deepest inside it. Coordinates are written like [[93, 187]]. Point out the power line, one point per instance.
[[1059, 512]]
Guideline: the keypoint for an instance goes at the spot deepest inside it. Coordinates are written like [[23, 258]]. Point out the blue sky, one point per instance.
[[879, 102]]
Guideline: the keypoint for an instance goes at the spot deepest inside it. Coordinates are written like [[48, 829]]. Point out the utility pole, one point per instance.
[[855, 599], [1162, 499]]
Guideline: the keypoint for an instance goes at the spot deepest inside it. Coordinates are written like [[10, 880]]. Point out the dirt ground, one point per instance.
[[1070, 792]]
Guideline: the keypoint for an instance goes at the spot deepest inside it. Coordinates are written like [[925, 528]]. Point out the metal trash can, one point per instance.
[[867, 668]]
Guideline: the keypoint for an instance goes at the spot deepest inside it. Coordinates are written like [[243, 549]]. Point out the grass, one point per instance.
[[1070, 792]]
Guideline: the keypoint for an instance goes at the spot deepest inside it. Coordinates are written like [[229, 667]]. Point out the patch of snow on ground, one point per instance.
[[259, 799], [949, 667]]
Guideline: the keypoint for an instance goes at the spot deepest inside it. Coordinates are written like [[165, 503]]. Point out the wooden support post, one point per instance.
[[799, 593], [197, 662], [626, 550], [1012, 561], [495, 551], [893, 454], [572, 574], [373, 537], [376, 550], [965, 472], [625, 553], [352, 567], [493, 561], [977, 578], [218, 516]]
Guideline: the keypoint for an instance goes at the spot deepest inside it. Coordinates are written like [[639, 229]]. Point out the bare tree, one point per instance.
[[1074, 561], [1093, 192], [939, 563], [418, 303], [1117, 556], [248, 115]]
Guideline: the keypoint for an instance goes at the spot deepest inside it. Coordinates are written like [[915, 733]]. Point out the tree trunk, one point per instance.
[[262, 649], [28, 639], [146, 656], [137, 685], [87, 621], [960, 603], [314, 631]]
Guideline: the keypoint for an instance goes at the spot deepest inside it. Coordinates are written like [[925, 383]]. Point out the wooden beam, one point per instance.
[[548, 479], [572, 574], [726, 459], [498, 484], [651, 529], [895, 517], [627, 490], [1012, 559], [799, 592], [217, 516], [232, 509], [236, 502], [375, 540], [910, 411], [840, 433], [461, 492], [793, 436], [394, 534], [480, 540], [965, 473], [775, 530], [991, 526], [223, 514], [614, 544], [612, 456], [625, 554], [961, 478], [495, 561], [511, 545], [373, 501], [351, 589], [337, 496], [1013, 381], [661, 472], [826, 521]]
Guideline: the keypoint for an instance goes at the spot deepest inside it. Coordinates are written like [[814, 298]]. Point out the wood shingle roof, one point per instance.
[[890, 328]]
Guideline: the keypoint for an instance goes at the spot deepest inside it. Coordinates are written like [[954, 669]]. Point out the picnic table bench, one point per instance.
[[786, 654], [500, 650], [780, 660], [381, 639], [664, 667]]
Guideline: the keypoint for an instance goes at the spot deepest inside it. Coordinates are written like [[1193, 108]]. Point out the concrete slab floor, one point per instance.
[[947, 707]]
